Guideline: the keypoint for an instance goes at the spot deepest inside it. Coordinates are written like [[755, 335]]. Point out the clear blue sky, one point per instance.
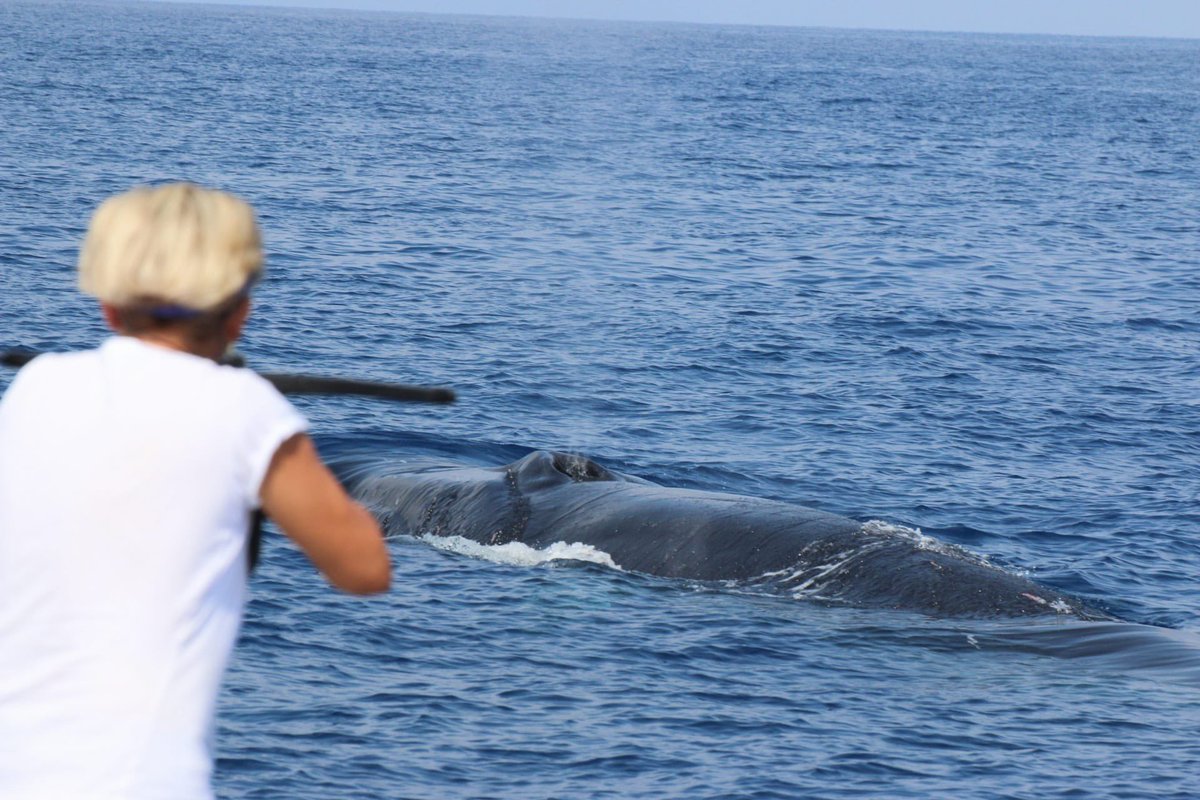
[[1088, 17]]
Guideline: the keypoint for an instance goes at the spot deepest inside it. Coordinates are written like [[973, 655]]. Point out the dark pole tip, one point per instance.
[[17, 357]]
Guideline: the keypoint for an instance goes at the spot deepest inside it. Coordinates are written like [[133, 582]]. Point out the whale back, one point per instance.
[[488, 504], [548, 497], [478, 503], [663, 530]]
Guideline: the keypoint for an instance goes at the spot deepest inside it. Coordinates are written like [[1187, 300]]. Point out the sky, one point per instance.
[[1175, 18]]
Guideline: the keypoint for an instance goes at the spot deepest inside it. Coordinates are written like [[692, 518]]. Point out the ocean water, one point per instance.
[[943, 281]]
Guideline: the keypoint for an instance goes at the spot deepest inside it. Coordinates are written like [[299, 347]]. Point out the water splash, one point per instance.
[[921, 541], [518, 554]]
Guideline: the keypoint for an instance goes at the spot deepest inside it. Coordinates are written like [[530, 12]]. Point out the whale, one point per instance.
[[549, 497]]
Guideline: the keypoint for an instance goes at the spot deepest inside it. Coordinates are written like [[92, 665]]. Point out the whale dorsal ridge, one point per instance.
[[580, 468], [545, 468]]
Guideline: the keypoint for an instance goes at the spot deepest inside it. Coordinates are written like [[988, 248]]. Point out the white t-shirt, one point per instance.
[[128, 476]]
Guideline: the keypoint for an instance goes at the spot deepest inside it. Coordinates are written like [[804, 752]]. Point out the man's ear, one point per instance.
[[236, 321], [112, 316]]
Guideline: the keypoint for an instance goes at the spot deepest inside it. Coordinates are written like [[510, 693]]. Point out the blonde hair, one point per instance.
[[176, 244]]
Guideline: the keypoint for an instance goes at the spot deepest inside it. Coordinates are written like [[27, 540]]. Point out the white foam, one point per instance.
[[919, 540], [877, 527], [518, 554]]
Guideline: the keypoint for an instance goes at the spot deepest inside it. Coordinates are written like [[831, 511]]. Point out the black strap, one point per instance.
[[254, 543]]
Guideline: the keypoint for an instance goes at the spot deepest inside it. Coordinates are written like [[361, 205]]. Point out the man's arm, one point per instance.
[[338, 535]]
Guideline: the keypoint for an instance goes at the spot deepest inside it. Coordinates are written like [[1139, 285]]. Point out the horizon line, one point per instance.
[[317, 7]]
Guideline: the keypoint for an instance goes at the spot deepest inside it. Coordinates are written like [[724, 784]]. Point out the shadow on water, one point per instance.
[[1161, 653], [1166, 655]]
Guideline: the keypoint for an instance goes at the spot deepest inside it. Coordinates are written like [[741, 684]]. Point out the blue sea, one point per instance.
[[944, 281]]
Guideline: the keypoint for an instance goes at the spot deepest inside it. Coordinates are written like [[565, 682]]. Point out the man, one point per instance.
[[128, 478]]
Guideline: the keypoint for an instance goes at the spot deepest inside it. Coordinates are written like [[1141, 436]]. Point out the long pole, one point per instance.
[[307, 384]]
